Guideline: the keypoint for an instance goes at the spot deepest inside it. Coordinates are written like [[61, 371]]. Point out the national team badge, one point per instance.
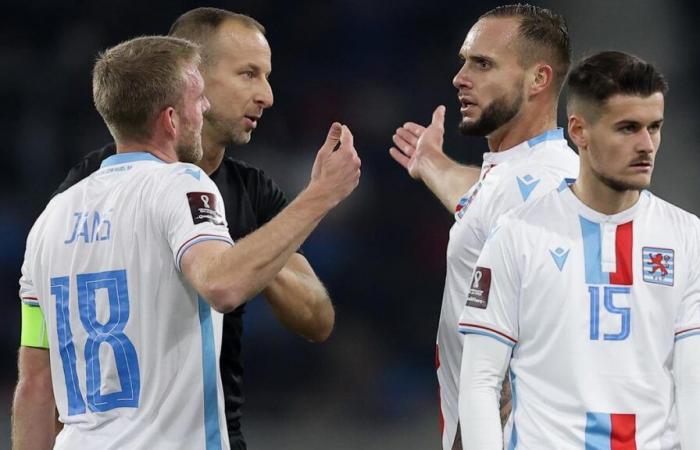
[[658, 265], [479, 288]]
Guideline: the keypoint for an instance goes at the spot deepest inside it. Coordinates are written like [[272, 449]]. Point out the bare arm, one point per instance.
[[33, 410], [228, 276], [299, 300], [419, 151]]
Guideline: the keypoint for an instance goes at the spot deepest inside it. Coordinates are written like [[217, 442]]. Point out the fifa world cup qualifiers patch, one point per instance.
[[203, 208], [479, 288]]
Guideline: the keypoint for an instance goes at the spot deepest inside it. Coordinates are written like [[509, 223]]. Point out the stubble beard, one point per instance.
[[230, 135], [499, 112], [190, 151], [617, 184]]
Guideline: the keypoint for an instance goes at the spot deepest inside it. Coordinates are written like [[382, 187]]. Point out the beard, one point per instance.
[[499, 112], [617, 184], [229, 133], [189, 149]]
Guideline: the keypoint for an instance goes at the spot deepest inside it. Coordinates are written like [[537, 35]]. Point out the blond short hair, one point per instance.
[[133, 81]]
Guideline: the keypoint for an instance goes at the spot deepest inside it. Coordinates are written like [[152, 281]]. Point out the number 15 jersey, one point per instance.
[[133, 349], [592, 306]]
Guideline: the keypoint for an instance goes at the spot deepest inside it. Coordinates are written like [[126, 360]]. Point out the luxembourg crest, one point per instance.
[[658, 265]]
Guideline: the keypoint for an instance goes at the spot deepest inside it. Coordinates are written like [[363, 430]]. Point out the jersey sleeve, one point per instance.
[[270, 198], [521, 186], [89, 164], [492, 303], [33, 325], [688, 320], [191, 210]]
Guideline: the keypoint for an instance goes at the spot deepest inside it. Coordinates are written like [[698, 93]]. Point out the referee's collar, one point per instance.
[[122, 158]]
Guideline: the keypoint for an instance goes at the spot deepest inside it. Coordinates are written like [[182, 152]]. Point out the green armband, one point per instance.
[[33, 327]]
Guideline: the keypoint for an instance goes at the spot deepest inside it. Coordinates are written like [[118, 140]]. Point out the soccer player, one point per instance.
[[122, 268], [592, 292], [235, 70], [515, 61]]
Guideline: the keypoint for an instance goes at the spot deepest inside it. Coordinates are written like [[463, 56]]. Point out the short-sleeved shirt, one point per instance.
[[592, 305], [130, 340], [251, 199], [508, 179]]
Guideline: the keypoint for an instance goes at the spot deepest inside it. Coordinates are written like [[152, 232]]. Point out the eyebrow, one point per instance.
[[637, 122]]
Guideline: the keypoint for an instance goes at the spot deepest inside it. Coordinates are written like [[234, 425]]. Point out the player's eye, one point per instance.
[[654, 128], [629, 128], [249, 74], [482, 63]]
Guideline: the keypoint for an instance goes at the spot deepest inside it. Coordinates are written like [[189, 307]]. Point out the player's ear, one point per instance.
[[577, 131], [541, 78], [168, 120]]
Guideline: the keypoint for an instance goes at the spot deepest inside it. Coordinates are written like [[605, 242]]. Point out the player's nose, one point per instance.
[[461, 78]]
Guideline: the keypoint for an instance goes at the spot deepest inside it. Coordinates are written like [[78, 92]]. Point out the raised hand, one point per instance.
[[336, 173], [415, 144]]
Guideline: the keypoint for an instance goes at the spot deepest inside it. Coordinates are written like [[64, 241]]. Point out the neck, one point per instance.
[[600, 197], [213, 150], [163, 153], [527, 124]]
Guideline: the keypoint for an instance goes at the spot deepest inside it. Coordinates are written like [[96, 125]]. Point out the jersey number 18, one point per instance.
[[111, 333]]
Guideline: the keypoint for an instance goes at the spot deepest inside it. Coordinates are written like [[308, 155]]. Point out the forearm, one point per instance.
[[447, 179], [300, 302], [33, 409], [239, 273], [686, 369], [484, 364]]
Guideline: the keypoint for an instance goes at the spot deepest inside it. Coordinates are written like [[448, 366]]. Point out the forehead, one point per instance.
[[491, 36], [634, 108], [236, 42]]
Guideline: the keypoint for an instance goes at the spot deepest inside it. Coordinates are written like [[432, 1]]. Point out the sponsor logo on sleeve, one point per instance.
[[479, 288], [203, 208]]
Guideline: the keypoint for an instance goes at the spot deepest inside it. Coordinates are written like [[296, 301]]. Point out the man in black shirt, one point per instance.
[[236, 64]]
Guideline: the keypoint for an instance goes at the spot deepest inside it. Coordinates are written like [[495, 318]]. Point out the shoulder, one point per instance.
[[678, 217]]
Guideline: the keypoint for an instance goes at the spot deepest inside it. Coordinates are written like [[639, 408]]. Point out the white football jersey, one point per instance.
[[134, 351], [508, 179], [592, 305]]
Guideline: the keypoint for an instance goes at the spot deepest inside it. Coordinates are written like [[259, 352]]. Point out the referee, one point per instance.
[[236, 63]]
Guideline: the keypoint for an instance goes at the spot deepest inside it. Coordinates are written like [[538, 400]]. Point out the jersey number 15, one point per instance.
[[608, 296], [111, 333]]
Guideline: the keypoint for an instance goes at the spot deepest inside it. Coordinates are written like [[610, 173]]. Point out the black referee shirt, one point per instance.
[[251, 199]]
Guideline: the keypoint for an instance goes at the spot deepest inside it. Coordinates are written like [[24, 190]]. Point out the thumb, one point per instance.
[[346, 138], [331, 140], [439, 117]]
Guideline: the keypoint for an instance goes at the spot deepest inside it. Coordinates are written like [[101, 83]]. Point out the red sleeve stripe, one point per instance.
[[199, 238], [473, 325]]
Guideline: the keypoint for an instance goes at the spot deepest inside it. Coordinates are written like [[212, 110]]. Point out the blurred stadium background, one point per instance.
[[367, 63]]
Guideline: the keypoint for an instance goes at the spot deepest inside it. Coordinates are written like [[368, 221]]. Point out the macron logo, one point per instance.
[[195, 173], [559, 255], [527, 184]]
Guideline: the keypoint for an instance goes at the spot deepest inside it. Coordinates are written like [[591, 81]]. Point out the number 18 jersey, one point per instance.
[[133, 349], [592, 306]]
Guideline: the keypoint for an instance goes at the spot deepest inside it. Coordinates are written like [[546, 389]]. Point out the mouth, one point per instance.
[[251, 121], [642, 166], [466, 104]]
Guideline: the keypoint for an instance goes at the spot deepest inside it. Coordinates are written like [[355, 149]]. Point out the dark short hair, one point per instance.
[[136, 79], [597, 78], [200, 24], [545, 35]]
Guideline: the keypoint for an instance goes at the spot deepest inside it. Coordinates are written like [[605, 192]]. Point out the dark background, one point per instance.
[[372, 65]]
